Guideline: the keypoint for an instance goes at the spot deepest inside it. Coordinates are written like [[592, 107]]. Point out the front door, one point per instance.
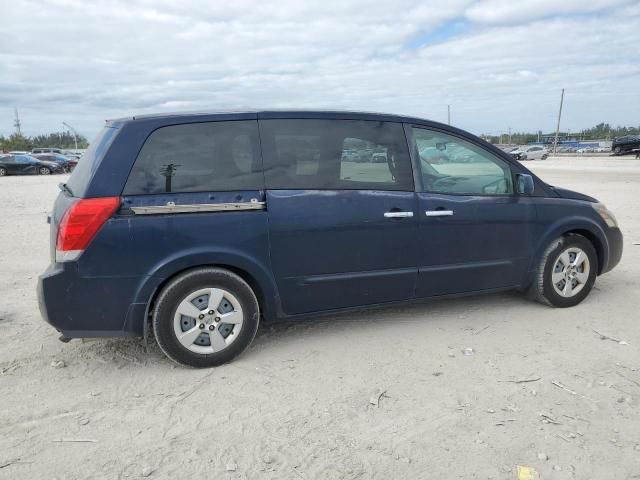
[[474, 230], [341, 208]]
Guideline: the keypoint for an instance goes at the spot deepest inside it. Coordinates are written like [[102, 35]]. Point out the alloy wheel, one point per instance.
[[570, 272], [208, 320]]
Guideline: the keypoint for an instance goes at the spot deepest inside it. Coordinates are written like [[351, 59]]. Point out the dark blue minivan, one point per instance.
[[196, 226]]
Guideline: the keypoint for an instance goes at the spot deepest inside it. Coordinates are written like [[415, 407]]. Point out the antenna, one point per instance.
[[16, 123]]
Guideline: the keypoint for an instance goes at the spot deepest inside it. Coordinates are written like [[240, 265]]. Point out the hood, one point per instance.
[[570, 194]]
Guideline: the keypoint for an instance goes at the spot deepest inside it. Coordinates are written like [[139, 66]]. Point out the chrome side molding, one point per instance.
[[171, 207]]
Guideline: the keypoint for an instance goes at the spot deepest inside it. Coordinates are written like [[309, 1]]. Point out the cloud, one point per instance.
[[498, 64], [519, 11]]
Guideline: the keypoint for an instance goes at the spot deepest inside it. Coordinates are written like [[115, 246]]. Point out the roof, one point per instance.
[[274, 113]]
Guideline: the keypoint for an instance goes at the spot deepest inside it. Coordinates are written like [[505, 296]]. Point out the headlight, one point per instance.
[[606, 214]]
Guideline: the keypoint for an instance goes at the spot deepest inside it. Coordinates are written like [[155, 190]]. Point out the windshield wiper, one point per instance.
[[64, 188]]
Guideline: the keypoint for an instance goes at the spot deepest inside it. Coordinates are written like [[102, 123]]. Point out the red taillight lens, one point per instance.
[[82, 221]]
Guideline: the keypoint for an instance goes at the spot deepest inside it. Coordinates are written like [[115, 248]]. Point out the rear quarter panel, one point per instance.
[[163, 245]]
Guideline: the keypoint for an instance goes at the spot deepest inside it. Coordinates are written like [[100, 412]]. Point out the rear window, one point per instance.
[[86, 167], [198, 157]]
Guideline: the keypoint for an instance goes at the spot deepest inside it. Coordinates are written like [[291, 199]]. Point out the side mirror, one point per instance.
[[525, 184], [441, 146]]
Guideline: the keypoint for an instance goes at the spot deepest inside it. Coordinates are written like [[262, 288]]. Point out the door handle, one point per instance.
[[439, 213], [398, 214]]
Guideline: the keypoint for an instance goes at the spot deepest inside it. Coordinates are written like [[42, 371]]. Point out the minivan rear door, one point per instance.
[[342, 212]]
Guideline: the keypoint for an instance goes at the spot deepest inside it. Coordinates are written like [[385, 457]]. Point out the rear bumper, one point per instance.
[[614, 238], [79, 306]]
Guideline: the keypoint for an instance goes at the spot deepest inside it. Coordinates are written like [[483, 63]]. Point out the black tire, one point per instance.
[[542, 288], [545, 156], [617, 150], [3, 171], [44, 171], [180, 287]]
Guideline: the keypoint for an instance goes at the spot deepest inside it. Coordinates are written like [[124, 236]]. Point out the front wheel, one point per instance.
[[3, 171], [617, 150], [44, 171], [566, 272], [205, 317], [545, 156]]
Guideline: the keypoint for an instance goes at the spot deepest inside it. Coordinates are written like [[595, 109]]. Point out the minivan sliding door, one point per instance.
[[341, 211]]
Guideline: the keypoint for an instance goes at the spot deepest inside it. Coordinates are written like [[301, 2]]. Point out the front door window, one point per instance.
[[452, 165]]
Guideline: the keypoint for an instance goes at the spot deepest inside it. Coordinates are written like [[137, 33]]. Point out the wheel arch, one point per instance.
[[257, 275], [586, 227], [595, 241]]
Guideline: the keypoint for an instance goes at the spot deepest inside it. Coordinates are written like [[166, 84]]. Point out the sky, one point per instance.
[[499, 64]]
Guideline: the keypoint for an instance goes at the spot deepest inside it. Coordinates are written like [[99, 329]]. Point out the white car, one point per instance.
[[534, 152]]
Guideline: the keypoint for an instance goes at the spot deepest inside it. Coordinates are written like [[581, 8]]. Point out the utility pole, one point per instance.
[[509, 135], [448, 114], [16, 123], [75, 134], [555, 143]]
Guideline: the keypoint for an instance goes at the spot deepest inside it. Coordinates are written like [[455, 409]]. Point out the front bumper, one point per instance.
[[614, 238], [80, 306]]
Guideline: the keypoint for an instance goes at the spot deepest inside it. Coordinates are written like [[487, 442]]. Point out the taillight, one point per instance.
[[80, 224]]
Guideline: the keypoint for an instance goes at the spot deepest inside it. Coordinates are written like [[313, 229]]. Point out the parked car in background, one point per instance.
[[47, 150], [433, 155], [379, 158], [76, 154], [348, 156], [27, 165], [67, 163], [195, 227], [514, 152], [626, 144], [534, 152]]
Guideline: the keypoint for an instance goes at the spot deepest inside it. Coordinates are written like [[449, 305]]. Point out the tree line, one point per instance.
[[602, 131], [23, 143]]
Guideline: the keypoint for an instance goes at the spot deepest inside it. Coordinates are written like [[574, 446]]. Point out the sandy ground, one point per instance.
[[298, 403]]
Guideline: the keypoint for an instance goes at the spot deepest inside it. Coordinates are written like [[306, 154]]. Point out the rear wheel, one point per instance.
[[205, 317], [44, 171], [3, 171], [617, 150], [566, 272], [545, 156]]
